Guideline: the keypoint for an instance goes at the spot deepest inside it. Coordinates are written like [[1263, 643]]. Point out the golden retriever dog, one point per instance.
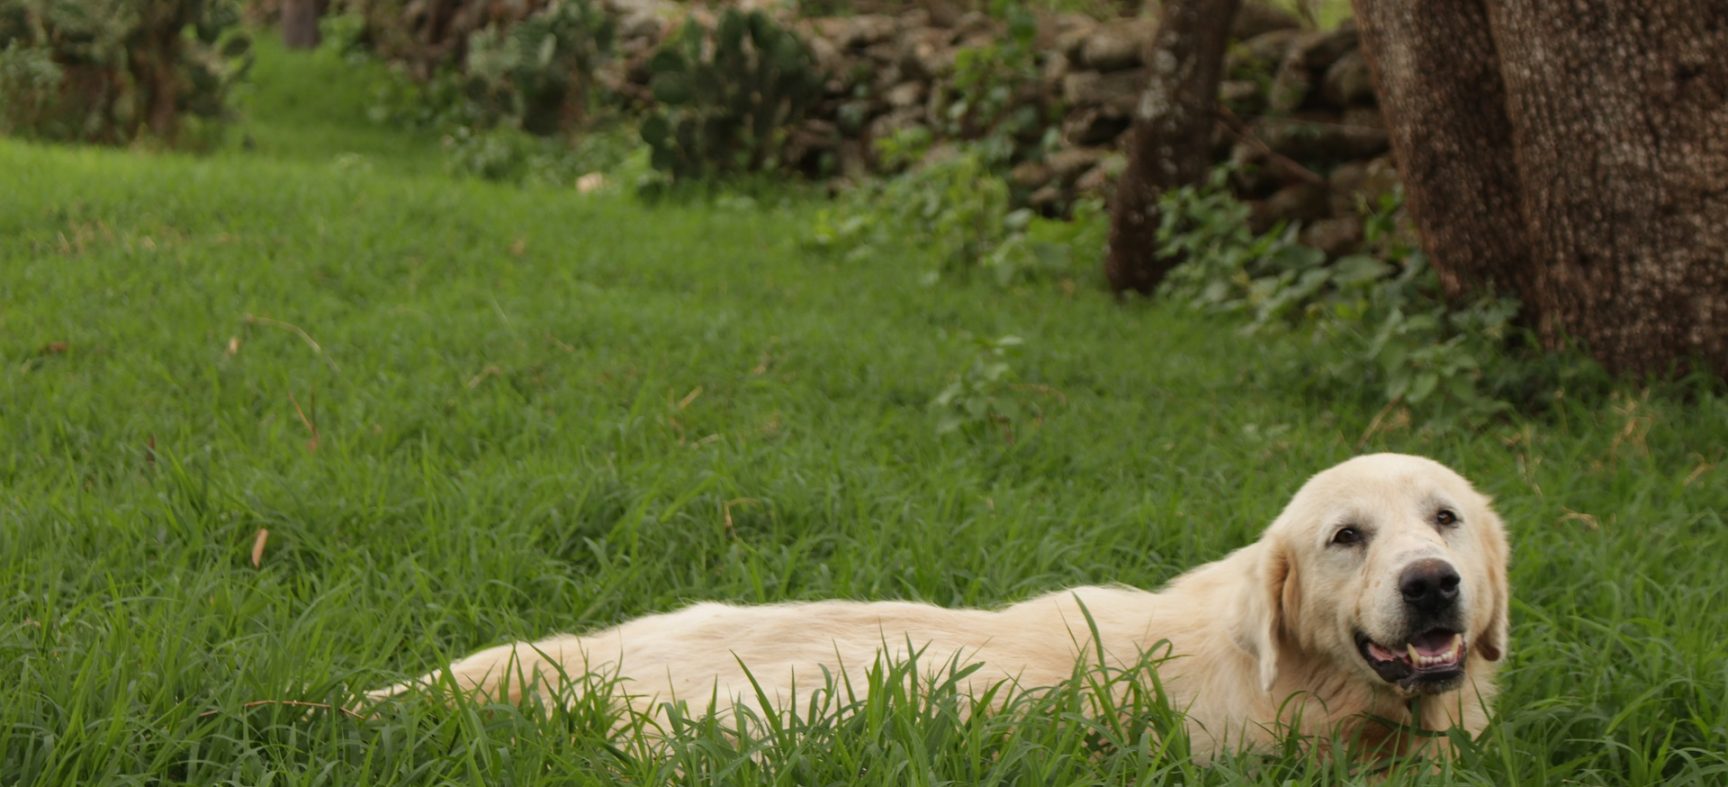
[[1372, 610]]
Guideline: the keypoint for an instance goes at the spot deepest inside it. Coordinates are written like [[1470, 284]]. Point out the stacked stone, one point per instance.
[[1298, 121]]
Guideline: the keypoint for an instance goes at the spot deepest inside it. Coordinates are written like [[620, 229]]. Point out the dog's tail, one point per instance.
[[505, 674]]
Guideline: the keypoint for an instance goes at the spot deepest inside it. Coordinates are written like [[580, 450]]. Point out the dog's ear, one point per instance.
[[1265, 603], [1493, 641]]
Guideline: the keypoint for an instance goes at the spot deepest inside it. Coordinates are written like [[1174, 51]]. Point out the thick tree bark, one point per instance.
[[1171, 137], [1571, 152], [1438, 75], [300, 24]]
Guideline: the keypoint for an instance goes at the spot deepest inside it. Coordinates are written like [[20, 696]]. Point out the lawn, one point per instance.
[[467, 412]]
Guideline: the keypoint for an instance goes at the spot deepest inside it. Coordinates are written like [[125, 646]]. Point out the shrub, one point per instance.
[[728, 97], [996, 94], [987, 395], [108, 71], [1378, 319], [959, 212], [514, 156]]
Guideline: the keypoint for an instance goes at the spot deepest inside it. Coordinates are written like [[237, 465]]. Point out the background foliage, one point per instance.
[[444, 412], [110, 70]]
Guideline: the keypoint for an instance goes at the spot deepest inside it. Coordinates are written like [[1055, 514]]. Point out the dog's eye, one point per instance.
[[1347, 536], [1445, 518]]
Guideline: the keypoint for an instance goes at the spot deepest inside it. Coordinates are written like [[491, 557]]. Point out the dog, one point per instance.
[[1372, 611]]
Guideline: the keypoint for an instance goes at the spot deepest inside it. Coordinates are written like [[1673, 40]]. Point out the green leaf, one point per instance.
[[671, 87], [1423, 386], [1359, 269]]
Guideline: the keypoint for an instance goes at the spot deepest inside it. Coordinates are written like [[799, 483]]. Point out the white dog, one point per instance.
[[1374, 605]]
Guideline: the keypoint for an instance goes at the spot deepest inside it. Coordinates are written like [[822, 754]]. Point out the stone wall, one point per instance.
[[1298, 118]]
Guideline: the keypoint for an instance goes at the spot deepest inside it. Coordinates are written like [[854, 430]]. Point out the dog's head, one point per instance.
[[1389, 565]]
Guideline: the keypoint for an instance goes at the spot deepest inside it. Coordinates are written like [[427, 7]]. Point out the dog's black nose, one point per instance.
[[1431, 586]]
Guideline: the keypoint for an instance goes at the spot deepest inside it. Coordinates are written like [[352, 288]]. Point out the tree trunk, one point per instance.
[[1171, 140], [152, 58], [300, 24], [1571, 152]]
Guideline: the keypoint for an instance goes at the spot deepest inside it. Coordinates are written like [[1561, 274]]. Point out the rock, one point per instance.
[[1347, 82], [1262, 52], [640, 18], [1382, 173], [894, 122], [1119, 91], [976, 24], [1068, 164], [935, 59], [1252, 175], [1030, 175], [1052, 29], [944, 13], [1259, 219], [1094, 126], [639, 27], [854, 164], [857, 32], [883, 53], [924, 54], [1319, 49], [1112, 49], [636, 70], [1069, 22], [1052, 72], [1255, 18], [1099, 181], [1242, 97], [1308, 141], [1072, 43], [827, 56], [1047, 200], [1365, 117], [1346, 183], [905, 94], [1336, 236], [1290, 87], [1299, 202]]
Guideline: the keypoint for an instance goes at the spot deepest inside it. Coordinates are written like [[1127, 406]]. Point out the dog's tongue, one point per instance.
[[1434, 643]]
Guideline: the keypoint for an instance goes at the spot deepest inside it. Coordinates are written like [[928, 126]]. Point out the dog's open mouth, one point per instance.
[[1430, 662]]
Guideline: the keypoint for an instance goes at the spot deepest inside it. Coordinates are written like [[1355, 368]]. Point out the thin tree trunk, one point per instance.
[[300, 24], [1171, 137], [1571, 152]]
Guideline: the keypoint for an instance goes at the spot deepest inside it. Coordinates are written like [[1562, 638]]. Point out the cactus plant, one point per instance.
[[535, 73], [726, 97]]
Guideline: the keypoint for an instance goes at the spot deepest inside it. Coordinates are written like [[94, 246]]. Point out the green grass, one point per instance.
[[537, 411]]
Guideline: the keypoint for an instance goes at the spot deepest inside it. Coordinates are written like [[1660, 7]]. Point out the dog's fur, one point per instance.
[[1269, 638]]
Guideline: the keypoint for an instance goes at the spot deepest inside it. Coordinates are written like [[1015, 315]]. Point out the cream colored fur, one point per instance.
[[1261, 638]]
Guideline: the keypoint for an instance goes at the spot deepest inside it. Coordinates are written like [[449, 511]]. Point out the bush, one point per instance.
[[996, 94], [959, 212], [109, 71], [728, 97], [514, 156], [1378, 319]]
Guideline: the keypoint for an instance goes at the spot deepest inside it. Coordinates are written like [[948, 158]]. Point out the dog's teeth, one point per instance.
[[1415, 658]]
